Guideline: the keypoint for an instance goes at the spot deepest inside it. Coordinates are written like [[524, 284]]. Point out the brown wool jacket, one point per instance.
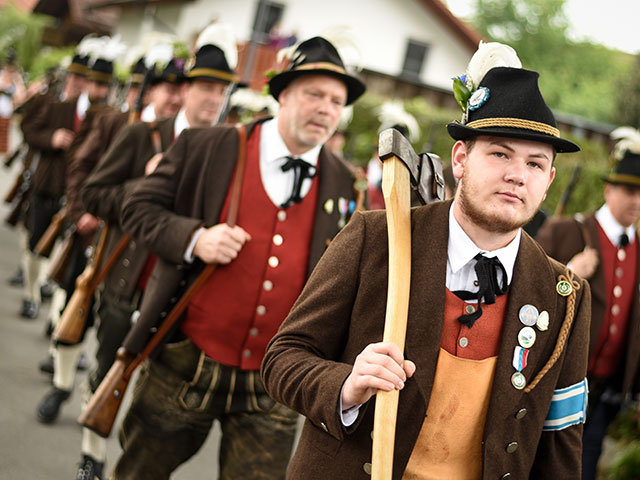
[[188, 190], [562, 238], [50, 173], [106, 188], [341, 311]]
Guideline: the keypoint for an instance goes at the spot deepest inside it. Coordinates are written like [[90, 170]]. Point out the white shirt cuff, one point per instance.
[[188, 254], [349, 416]]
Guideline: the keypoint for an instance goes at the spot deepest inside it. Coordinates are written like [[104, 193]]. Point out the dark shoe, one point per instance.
[[17, 279], [46, 291], [49, 407], [46, 365], [48, 331], [29, 309], [89, 469]]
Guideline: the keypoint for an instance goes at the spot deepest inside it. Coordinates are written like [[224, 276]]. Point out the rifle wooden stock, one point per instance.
[[13, 191], [100, 413], [102, 409], [16, 210], [60, 261], [74, 317], [45, 244]]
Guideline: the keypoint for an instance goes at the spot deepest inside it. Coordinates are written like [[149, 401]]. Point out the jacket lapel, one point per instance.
[[533, 284], [165, 128]]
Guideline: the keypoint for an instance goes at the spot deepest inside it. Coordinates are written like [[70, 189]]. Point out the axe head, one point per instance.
[[425, 169]]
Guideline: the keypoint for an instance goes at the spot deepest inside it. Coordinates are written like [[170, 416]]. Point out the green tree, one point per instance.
[[627, 110], [21, 31]]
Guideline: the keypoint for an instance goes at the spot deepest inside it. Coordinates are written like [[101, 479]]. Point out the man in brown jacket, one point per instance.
[[293, 200], [603, 247], [489, 387]]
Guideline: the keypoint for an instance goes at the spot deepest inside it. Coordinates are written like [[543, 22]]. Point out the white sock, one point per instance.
[[31, 266], [94, 445], [65, 359]]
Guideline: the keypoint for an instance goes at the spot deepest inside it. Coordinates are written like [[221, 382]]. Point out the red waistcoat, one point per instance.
[[620, 281], [239, 309], [483, 339]]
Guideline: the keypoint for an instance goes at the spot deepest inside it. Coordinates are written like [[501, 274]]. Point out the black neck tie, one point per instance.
[[624, 240], [301, 170], [488, 288]]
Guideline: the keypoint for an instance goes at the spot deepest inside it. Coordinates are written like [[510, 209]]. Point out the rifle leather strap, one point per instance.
[[184, 301], [155, 137]]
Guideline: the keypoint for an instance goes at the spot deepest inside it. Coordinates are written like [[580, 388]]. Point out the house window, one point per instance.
[[268, 15], [414, 59]]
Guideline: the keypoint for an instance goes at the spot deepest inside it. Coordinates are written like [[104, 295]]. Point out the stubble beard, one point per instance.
[[486, 220]]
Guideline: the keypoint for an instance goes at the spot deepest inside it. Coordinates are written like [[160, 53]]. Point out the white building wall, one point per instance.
[[381, 29]]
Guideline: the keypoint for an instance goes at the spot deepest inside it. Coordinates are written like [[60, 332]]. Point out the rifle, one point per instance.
[[19, 152], [566, 195], [60, 261], [102, 409], [19, 198], [45, 244]]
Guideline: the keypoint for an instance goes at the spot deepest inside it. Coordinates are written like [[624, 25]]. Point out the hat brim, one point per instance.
[[457, 131], [355, 88], [622, 179]]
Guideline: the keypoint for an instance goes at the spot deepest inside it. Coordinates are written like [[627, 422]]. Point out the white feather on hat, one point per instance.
[[490, 55], [158, 56], [89, 45], [132, 56], [113, 48], [628, 141], [392, 113], [221, 36]]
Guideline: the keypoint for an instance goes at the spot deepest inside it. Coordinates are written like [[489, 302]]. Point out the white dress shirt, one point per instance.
[[612, 227], [461, 274], [148, 113], [82, 105]]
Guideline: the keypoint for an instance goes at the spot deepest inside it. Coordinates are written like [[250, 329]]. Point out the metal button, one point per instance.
[[282, 215], [505, 476], [463, 342], [617, 291], [367, 468], [122, 282], [173, 299], [273, 262], [267, 285], [277, 239], [622, 255], [261, 310], [613, 329], [132, 245], [475, 283], [126, 262], [182, 283], [615, 310], [520, 414], [246, 353], [470, 308], [324, 426], [512, 447], [254, 331], [619, 272]]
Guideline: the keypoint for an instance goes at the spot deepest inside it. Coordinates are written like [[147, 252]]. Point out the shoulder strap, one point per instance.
[[155, 136], [579, 219]]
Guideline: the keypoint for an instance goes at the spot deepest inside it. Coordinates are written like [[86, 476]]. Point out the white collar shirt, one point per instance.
[[273, 150], [148, 113], [82, 105], [461, 274], [181, 123], [612, 227]]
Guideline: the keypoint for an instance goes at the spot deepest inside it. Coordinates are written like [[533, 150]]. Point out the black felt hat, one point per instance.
[[508, 103], [136, 77], [79, 65], [210, 63], [626, 171], [313, 56], [172, 73], [101, 71]]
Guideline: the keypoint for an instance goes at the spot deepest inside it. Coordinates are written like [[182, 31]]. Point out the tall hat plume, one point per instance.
[[216, 55], [392, 114], [500, 98], [628, 140], [160, 59], [133, 62]]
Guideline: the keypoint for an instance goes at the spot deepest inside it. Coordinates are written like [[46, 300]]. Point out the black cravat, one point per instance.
[[301, 170], [488, 288], [624, 240]]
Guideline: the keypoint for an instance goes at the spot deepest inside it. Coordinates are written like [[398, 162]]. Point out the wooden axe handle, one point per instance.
[[396, 188]]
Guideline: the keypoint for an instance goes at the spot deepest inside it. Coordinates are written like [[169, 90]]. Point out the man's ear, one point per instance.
[[458, 158]]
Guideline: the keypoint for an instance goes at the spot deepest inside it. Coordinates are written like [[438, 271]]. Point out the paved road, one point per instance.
[[28, 449]]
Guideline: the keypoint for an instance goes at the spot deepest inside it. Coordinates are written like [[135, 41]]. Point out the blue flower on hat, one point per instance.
[[478, 98]]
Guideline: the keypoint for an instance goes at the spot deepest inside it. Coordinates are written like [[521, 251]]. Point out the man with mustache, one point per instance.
[[489, 387], [602, 247], [295, 195]]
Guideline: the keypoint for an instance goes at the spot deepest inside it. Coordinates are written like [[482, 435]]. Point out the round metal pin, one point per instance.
[[528, 315], [518, 380], [526, 337], [564, 288], [543, 321]]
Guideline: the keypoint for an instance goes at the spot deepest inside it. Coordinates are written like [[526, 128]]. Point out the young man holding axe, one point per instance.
[[492, 380]]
